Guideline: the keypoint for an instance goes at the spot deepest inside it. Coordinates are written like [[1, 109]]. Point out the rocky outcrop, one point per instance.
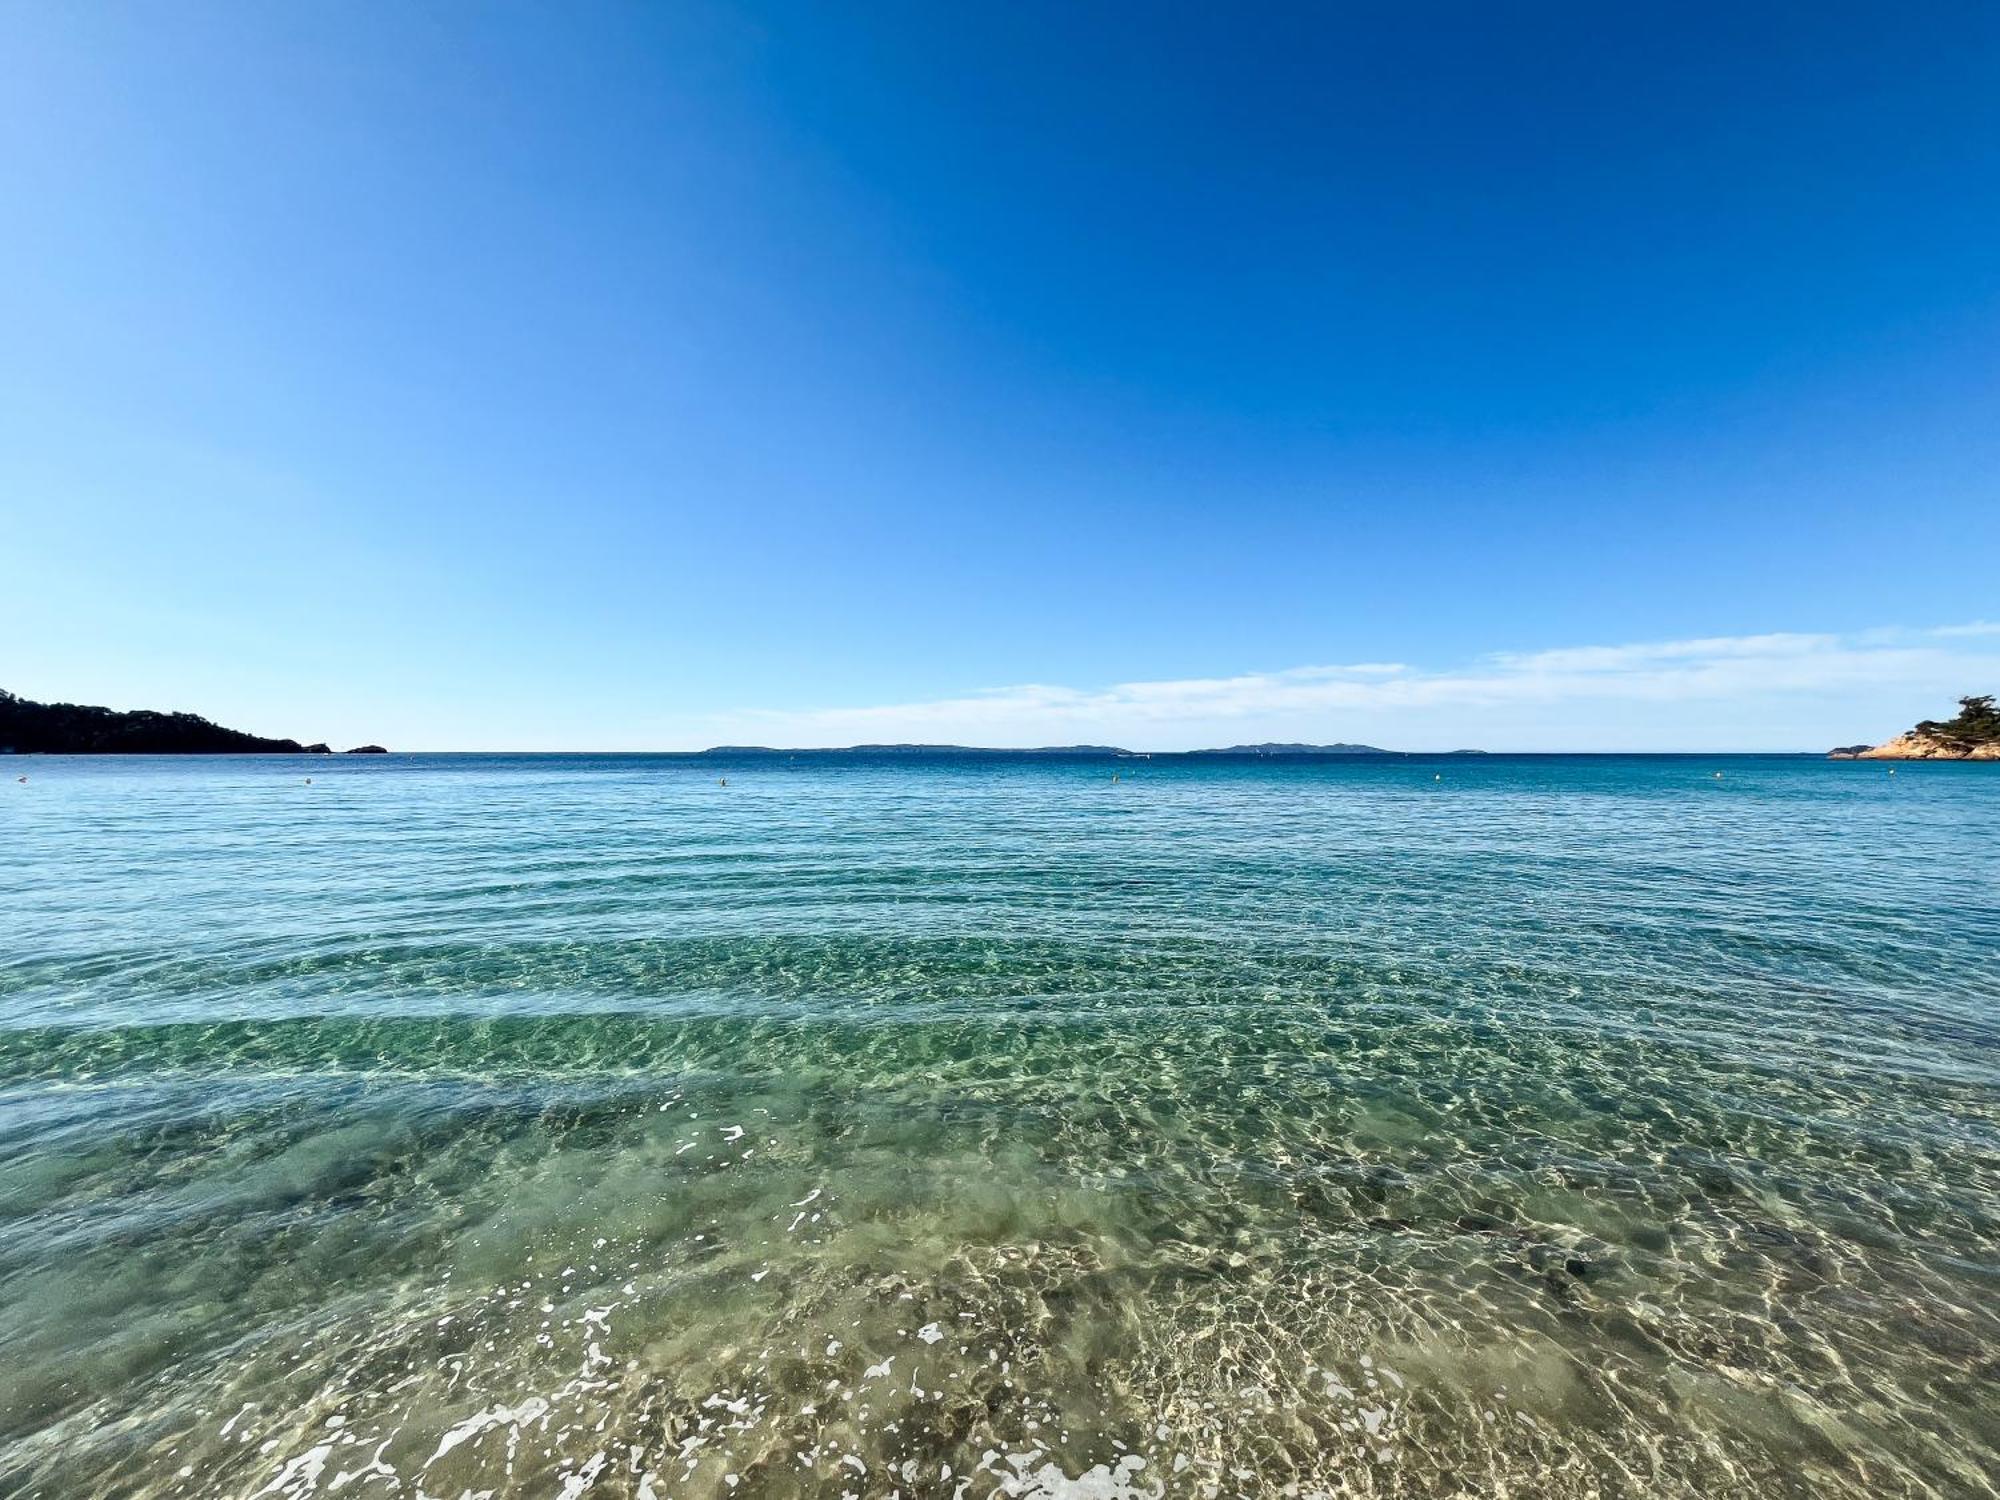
[[368, 750], [1915, 746], [1973, 735], [1912, 746]]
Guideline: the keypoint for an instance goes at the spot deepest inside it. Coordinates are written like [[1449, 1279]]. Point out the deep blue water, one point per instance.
[[1427, 1126]]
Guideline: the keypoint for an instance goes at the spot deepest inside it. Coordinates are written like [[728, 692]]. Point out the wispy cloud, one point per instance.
[[1616, 691]]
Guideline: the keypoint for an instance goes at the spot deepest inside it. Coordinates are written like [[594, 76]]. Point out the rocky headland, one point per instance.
[[31, 728], [1973, 735]]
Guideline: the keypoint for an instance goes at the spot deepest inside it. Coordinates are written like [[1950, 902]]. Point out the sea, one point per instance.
[[635, 1126]]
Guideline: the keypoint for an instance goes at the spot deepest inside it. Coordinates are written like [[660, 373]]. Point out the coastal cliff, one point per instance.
[[1973, 735], [30, 728], [1918, 746]]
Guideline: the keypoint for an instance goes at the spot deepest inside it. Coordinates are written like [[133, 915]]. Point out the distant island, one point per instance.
[[1272, 748], [909, 750], [30, 728], [1973, 735], [1092, 750]]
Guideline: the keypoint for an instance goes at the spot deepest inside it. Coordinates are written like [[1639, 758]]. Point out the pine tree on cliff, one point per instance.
[[1978, 723]]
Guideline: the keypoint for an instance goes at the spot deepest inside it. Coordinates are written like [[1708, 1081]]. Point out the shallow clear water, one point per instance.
[[553, 1126]]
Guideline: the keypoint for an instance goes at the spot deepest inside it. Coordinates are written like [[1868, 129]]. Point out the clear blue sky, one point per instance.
[[627, 376]]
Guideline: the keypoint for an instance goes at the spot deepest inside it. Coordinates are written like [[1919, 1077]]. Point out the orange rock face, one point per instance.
[[1915, 746]]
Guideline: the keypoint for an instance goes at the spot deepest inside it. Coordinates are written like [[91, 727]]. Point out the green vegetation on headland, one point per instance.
[[1978, 723], [30, 728], [1973, 735]]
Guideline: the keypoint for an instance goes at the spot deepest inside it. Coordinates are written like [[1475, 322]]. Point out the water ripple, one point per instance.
[[576, 1125]]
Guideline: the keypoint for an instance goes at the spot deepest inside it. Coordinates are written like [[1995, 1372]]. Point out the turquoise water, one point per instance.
[[564, 1126]]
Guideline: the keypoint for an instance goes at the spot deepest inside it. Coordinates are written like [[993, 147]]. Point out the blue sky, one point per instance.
[[600, 376]]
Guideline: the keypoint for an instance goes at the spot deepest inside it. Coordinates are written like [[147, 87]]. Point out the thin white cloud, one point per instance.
[[1626, 658], [1508, 693]]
